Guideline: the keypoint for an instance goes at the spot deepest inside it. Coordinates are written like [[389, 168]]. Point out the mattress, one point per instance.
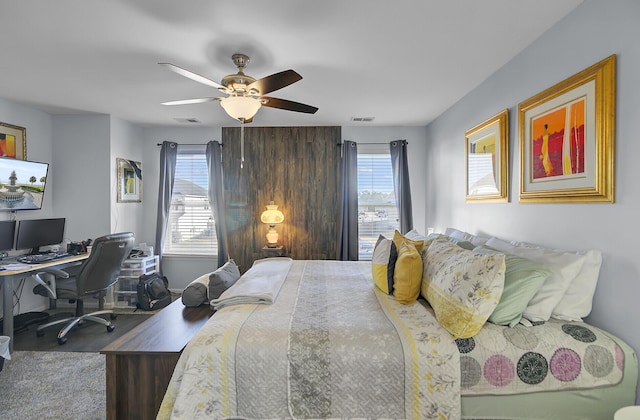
[[318, 352], [595, 403]]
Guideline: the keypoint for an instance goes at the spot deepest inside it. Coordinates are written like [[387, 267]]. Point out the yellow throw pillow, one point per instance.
[[408, 274], [383, 263], [398, 238]]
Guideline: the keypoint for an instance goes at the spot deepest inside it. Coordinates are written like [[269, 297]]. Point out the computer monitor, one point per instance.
[[7, 233], [32, 234]]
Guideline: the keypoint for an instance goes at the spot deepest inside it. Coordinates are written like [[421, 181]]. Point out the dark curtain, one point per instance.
[[400, 168], [348, 217], [216, 196], [168, 154]]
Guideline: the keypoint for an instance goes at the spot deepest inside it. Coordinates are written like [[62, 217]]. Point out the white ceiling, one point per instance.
[[403, 62]]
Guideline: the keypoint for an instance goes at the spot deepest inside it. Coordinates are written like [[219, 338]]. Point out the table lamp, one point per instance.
[[272, 216]]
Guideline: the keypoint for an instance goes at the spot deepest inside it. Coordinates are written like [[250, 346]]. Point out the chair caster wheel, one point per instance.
[[39, 333], [110, 328], [62, 340], [113, 316]]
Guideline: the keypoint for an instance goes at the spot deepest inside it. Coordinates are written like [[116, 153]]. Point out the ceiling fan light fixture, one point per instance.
[[240, 107]]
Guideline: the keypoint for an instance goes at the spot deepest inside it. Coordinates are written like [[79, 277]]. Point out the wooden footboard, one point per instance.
[[139, 364]]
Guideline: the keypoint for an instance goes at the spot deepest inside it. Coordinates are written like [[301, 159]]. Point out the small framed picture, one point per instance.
[[487, 154], [13, 141], [129, 181], [567, 139]]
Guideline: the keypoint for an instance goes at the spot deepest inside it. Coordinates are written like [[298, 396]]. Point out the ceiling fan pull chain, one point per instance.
[[241, 144]]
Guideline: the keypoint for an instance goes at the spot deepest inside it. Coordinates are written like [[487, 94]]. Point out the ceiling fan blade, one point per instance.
[[191, 75], [274, 82], [287, 105], [190, 101]]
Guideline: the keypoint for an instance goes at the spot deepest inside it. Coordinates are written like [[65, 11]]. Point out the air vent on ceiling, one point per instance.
[[187, 120], [362, 119]]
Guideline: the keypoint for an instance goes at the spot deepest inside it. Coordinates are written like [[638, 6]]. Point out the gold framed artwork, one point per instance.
[[567, 139], [129, 181], [487, 155], [13, 141]]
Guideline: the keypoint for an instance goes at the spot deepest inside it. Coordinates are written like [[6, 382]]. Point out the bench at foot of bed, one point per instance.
[[139, 364]]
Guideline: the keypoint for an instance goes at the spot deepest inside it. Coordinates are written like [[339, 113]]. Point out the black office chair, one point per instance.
[[96, 275]]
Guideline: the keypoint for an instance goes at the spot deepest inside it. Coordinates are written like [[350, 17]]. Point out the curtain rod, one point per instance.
[[187, 144], [222, 144], [362, 142]]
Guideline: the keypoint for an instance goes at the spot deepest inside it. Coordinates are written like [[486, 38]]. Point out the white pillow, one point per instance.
[[564, 267], [464, 236], [414, 235], [457, 234], [578, 299]]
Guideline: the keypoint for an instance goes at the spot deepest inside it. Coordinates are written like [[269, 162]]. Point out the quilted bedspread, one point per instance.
[[331, 346], [556, 355]]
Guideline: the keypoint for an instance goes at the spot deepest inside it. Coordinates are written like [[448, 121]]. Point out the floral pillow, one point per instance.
[[462, 287]]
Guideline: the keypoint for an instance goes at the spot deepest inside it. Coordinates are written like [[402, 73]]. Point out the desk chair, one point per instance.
[[96, 275]]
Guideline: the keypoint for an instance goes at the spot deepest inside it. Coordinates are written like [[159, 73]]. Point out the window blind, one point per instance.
[[377, 210], [191, 228]]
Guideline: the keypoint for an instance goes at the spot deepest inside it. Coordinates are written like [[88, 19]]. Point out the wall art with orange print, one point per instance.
[[558, 141], [567, 139], [13, 141]]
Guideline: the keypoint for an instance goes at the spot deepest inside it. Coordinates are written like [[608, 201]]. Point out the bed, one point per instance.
[[319, 339]]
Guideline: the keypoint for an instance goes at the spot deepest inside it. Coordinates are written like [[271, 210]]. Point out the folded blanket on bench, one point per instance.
[[256, 286]]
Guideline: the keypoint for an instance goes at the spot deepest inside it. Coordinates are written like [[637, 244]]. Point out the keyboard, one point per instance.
[[41, 258]]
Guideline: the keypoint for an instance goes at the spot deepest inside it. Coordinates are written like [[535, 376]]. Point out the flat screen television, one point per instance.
[[22, 184], [32, 234]]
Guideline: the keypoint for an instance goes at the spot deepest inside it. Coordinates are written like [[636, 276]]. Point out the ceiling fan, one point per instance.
[[245, 94]]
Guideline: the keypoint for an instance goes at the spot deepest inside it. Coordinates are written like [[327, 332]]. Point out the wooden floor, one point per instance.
[[89, 337]]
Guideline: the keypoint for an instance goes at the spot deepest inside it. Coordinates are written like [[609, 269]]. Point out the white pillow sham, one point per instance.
[[464, 236], [577, 301], [564, 267], [414, 235]]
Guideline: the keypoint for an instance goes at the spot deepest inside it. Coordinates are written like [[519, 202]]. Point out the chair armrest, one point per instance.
[[52, 271], [55, 271]]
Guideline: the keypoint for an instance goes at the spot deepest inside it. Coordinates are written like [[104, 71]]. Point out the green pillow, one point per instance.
[[522, 280]]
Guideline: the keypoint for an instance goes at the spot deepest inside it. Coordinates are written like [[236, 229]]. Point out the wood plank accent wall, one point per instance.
[[297, 168]]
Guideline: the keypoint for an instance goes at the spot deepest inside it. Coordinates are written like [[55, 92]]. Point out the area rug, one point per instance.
[[53, 385]]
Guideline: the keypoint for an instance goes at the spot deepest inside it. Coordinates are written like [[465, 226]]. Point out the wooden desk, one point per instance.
[[139, 364], [7, 277]]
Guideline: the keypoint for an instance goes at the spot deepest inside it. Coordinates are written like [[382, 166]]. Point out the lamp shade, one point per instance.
[[240, 107], [272, 216]]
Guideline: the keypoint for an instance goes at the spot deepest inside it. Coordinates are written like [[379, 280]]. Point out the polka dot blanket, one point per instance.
[[556, 355]]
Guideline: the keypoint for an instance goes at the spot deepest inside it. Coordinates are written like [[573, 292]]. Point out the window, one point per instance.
[[377, 210], [190, 228]]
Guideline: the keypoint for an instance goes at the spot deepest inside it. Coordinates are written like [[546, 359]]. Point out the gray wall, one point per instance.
[[126, 142], [595, 30], [80, 161]]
